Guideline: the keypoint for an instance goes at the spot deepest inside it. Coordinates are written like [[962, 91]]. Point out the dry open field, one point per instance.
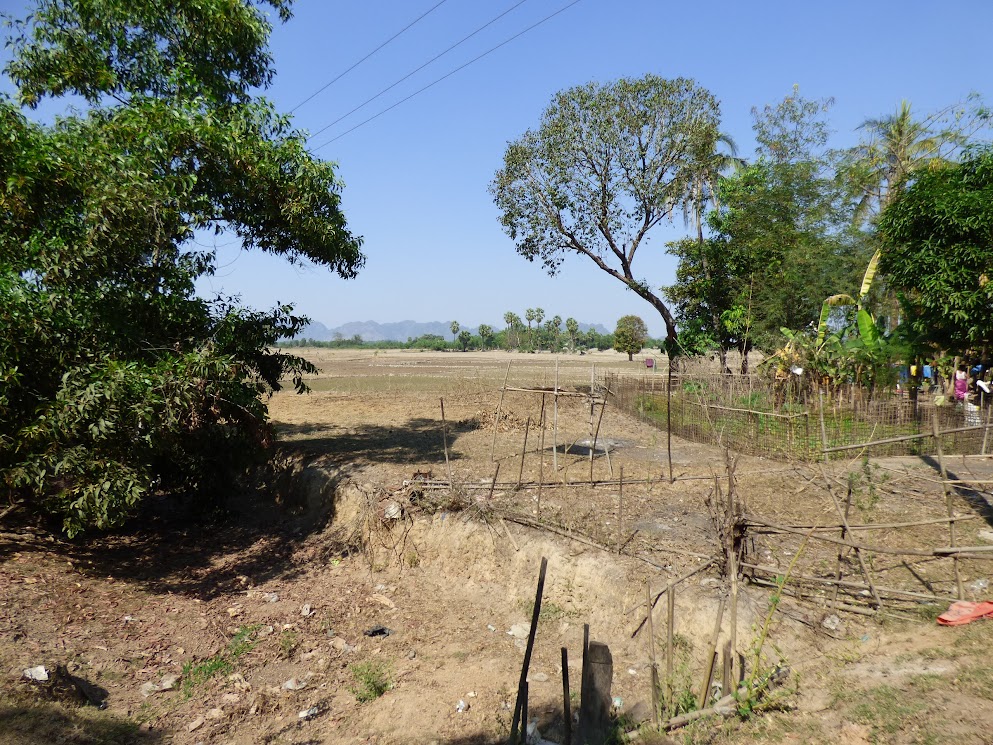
[[262, 611]]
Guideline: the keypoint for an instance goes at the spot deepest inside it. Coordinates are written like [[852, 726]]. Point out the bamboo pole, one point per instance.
[[555, 420], [753, 521], [824, 439], [524, 450], [668, 415], [444, 436], [709, 674], [843, 584], [521, 704], [670, 653], [566, 702], [496, 418], [596, 435], [906, 438], [541, 458], [858, 553], [651, 656], [986, 433], [948, 505], [620, 511]]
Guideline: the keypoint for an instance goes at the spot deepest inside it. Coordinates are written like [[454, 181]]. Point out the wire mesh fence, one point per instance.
[[785, 421]]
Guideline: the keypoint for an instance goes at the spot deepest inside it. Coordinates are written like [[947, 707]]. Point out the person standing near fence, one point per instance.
[[961, 383]]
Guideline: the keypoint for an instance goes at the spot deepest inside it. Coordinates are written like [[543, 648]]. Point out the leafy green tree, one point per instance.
[[936, 252], [454, 326], [630, 335], [116, 380], [607, 164], [485, 335], [514, 326], [464, 339], [781, 240]]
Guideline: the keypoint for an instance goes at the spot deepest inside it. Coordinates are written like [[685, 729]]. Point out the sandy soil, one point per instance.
[[263, 611]]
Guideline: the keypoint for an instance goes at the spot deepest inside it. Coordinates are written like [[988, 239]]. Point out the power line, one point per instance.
[[339, 77], [413, 72], [446, 75]]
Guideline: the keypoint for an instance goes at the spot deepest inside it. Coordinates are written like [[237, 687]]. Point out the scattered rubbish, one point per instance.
[[293, 684], [962, 612], [129, 619], [538, 678], [491, 627], [533, 736], [379, 588], [864, 638], [520, 630], [411, 654], [618, 703], [831, 622], [383, 600], [985, 535], [461, 707], [310, 713], [392, 510], [979, 586], [632, 671], [272, 597], [38, 673], [378, 631], [306, 611], [341, 645], [195, 724], [471, 694]]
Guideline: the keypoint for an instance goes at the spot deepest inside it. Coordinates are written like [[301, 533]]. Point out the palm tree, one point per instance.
[[897, 146]]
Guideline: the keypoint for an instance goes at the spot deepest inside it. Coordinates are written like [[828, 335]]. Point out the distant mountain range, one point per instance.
[[399, 330]]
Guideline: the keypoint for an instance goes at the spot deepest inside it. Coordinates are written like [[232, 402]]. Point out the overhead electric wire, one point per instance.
[[414, 72], [446, 75], [339, 77]]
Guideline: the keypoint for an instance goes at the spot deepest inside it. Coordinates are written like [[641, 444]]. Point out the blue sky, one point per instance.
[[416, 177]]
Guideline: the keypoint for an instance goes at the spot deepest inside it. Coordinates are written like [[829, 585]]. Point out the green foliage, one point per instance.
[[936, 253], [197, 673], [117, 380], [372, 680], [606, 165], [630, 335]]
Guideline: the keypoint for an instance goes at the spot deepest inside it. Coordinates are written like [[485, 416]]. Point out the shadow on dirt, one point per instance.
[[976, 499], [24, 721], [416, 440], [177, 546]]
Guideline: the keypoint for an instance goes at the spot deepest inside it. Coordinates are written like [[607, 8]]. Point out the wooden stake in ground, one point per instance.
[[522, 685], [620, 514], [496, 418], [668, 417], [711, 657], [651, 658], [824, 438], [986, 432], [844, 536], [594, 714], [524, 450], [444, 437], [555, 420], [858, 551], [948, 504], [566, 702], [670, 653], [541, 456]]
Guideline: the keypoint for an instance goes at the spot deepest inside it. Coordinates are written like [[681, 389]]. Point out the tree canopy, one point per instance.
[[606, 165], [117, 379], [630, 335], [938, 253]]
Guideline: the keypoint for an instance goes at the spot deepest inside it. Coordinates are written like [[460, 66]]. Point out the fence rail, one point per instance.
[[752, 415]]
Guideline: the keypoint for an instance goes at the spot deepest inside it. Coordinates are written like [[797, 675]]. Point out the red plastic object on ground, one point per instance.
[[962, 612]]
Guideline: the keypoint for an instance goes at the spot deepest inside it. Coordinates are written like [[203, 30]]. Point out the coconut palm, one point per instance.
[[897, 146]]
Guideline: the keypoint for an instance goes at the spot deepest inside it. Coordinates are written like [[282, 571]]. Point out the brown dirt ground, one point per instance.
[[220, 600]]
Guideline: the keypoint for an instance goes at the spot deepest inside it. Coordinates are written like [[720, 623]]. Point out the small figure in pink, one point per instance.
[[961, 383]]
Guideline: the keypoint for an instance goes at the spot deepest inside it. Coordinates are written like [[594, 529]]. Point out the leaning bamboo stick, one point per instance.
[[753, 521], [496, 418], [905, 438], [444, 435], [948, 506], [709, 674], [844, 583], [524, 450], [858, 552]]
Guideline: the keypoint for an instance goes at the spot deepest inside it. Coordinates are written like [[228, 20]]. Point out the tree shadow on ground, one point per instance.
[[416, 440], [976, 499], [24, 720], [178, 546]]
